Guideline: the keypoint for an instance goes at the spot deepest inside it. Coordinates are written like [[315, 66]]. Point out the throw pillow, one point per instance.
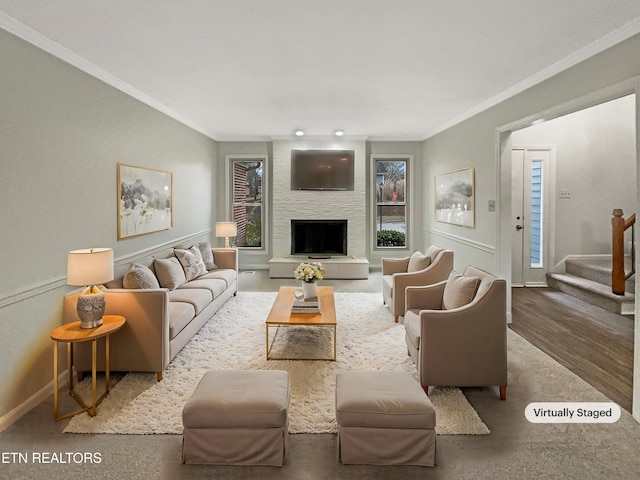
[[433, 252], [207, 255], [459, 290], [418, 262], [191, 261], [138, 276], [169, 272]]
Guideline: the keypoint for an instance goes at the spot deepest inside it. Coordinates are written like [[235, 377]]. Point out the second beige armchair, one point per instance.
[[456, 331], [399, 273]]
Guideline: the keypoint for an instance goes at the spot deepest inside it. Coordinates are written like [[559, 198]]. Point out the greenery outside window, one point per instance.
[[247, 177], [391, 181]]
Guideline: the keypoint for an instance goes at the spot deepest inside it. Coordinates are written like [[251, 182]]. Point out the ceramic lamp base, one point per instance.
[[90, 308]]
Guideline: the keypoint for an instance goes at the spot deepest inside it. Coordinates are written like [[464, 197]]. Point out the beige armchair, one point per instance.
[[456, 331], [399, 273]]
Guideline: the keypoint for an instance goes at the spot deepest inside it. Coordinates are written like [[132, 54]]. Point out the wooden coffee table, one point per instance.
[[281, 316]]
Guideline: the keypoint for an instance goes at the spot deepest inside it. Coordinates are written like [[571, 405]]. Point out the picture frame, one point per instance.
[[145, 201], [455, 197]]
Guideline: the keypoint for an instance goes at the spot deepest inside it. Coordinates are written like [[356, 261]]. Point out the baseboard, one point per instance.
[[30, 403]]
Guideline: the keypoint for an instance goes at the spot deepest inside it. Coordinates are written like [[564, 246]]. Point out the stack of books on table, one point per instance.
[[305, 306]]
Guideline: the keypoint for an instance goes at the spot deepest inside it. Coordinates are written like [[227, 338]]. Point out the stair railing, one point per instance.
[[618, 226]]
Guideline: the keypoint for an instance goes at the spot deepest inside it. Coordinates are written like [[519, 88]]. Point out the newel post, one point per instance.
[[617, 252]]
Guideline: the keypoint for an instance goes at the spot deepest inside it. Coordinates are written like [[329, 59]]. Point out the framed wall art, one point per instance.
[[455, 197], [145, 202]]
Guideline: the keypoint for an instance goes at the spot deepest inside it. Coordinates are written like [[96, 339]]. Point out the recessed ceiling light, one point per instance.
[[299, 133], [339, 133]]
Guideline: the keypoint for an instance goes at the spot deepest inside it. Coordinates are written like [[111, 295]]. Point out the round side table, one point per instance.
[[72, 333]]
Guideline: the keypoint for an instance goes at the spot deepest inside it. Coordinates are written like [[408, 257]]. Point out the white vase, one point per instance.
[[310, 290]]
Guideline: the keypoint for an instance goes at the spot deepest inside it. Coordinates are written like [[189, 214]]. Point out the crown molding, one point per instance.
[[613, 38], [35, 38]]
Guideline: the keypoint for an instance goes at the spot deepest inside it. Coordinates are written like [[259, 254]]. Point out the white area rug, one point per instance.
[[368, 339]]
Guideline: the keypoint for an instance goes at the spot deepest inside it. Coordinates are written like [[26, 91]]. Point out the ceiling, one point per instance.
[[379, 69]]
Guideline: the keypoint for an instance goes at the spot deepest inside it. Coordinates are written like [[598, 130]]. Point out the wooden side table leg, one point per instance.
[[55, 380], [70, 365], [106, 367], [94, 396]]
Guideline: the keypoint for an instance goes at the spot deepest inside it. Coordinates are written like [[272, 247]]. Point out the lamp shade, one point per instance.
[[91, 266], [226, 229]]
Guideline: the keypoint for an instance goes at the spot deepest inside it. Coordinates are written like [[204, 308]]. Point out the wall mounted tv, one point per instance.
[[330, 170]]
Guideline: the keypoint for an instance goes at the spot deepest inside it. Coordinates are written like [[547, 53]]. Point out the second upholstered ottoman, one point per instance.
[[384, 418]]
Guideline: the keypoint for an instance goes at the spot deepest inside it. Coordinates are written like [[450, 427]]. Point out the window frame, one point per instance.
[[230, 160], [408, 196]]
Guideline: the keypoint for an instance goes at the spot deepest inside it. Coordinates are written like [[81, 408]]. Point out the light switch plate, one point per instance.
[[564, 194]]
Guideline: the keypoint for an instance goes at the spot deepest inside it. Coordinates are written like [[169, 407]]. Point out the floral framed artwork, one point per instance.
[[455, 197], [145, 202]]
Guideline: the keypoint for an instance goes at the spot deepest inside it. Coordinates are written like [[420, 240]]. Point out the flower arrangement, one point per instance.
[[309, 272]]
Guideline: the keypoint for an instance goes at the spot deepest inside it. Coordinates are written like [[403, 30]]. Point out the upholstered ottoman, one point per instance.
[[237, 417], [384, 418]]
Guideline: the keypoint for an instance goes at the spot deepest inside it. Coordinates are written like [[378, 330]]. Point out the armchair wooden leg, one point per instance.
[[503, 392], [426, 389], [80, 376], [159, 375], [395, 317]]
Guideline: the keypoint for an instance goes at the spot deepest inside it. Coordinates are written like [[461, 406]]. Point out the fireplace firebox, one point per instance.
[[319, 238]]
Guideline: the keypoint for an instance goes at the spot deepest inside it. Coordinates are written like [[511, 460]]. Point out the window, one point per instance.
[[536, 213], [247, 200], [391, 201]]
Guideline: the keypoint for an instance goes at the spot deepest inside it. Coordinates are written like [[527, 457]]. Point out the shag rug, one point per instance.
[[234, 339]]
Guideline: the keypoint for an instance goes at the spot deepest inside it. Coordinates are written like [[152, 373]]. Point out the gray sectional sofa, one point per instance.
[[166, 299]]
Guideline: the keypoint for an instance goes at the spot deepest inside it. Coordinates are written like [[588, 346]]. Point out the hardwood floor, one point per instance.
[[593, 343]]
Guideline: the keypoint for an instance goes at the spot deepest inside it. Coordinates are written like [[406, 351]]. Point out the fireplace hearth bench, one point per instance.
[[337, 268]]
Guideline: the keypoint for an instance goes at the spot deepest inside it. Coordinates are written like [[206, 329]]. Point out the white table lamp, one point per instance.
[[226, 230], [90, 267]]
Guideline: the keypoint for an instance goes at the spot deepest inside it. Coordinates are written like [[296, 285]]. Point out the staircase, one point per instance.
[[589, 278]]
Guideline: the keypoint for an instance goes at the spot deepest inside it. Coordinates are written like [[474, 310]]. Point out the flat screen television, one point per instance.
[[330, 170]]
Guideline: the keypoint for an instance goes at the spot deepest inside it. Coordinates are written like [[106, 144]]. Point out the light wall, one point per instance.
[[483, 142], [596, 164], [62, 133]]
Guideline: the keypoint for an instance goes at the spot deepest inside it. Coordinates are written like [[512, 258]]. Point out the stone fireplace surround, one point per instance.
[[319, 205]]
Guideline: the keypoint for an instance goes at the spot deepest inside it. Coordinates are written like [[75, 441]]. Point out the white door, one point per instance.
[[530, 208]]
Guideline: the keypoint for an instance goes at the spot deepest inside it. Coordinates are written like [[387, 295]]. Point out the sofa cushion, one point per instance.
[[207, 255], [169, 272], [200, 298], [191, 261], [418, 262], [138, 276], [180, 314], [226, 274], [214, 285], [459, 290], [412, 327]]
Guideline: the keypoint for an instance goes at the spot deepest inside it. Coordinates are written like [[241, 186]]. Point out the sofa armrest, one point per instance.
[[394, 265], [142, 344], [226, 258], [425, 297]]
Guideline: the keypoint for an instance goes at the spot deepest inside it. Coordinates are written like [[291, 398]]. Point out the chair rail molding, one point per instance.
[[60, 281]]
